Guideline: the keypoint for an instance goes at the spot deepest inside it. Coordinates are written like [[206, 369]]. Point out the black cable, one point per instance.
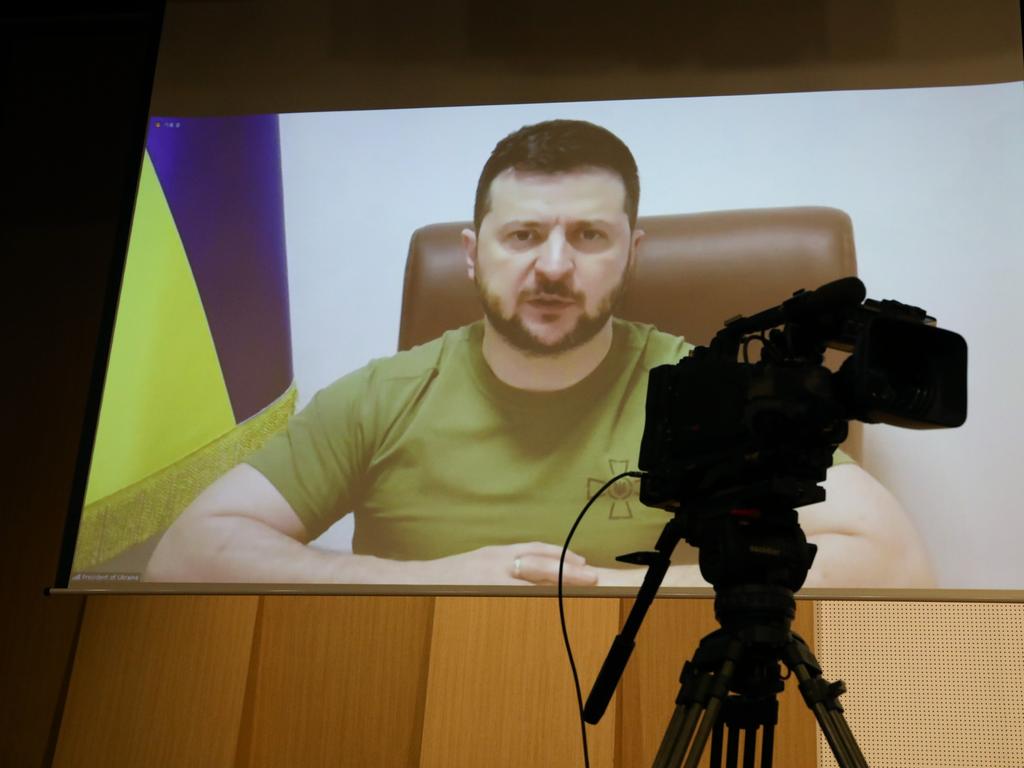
[[561, 605]]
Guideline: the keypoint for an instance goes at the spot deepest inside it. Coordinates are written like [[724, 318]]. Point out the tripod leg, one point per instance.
[[697, 689], [749, 746], [701, 690], [719, 692], [716, 744], [748, 715], [767, 746], [822, 699], [677, 735], [732, 747], [846, 754], [844, 729]]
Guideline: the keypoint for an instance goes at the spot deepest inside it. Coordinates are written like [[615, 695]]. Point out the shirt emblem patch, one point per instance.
[[620, 494]]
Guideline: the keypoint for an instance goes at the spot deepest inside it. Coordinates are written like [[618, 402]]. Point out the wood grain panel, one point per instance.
[[668, 637], [158, 681], [500, 691], [337, 681]]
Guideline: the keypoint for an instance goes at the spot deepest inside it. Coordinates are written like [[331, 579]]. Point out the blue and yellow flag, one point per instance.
[[200, 366]]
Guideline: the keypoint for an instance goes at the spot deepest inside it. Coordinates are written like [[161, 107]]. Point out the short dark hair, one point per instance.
[[558, 146]]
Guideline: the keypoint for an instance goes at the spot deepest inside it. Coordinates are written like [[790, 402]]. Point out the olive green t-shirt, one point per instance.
[[435, 455]]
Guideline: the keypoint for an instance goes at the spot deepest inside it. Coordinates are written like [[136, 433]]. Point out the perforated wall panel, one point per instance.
[[930, 684]]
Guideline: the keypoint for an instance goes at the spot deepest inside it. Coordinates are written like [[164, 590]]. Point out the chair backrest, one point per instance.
[[693, 271]]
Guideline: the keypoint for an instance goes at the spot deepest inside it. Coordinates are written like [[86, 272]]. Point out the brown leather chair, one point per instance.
[[693, 272]]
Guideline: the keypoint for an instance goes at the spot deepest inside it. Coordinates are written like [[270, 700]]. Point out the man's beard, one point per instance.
[[519, 336]]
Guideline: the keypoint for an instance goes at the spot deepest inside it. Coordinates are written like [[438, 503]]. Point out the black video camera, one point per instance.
[[721, 432]]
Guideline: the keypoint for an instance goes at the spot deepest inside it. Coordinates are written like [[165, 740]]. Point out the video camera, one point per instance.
[[763, 432]]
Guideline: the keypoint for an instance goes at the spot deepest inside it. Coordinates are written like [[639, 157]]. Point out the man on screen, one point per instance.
[[465, 460]]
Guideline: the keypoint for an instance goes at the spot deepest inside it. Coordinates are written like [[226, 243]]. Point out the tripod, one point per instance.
[[743, 658], [754, 559]]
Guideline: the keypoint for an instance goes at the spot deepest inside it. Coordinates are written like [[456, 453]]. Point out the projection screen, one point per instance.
[[295, 386], [267, 261]]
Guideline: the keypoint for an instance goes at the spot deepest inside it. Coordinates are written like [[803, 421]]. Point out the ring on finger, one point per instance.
[[517, 565]]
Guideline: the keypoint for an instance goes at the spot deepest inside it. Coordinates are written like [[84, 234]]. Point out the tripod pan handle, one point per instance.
[[608, 679]]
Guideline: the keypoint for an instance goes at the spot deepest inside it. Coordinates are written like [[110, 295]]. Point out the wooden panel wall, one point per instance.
[[500, 691], [241, 682], [159, 681], [337, 681]]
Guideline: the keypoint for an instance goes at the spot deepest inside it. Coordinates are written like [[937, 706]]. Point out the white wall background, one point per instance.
[[932, 178]]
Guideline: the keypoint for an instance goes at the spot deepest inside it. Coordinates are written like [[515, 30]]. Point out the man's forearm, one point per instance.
[[231, 549], [863, 561], [864, 536], [227, 548]]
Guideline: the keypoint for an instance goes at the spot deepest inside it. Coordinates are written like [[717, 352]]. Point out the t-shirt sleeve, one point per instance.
[[319, 460]]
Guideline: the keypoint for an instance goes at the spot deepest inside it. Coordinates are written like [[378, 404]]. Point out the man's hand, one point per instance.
[[508, 564], [677, 576]]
